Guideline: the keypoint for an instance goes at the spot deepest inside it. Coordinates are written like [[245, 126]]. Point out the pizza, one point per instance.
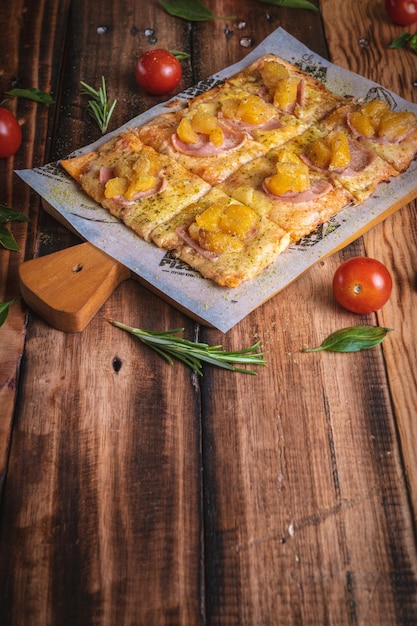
[[243, 170]]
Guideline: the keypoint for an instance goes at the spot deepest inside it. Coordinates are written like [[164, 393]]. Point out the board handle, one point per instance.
[[68, 287]]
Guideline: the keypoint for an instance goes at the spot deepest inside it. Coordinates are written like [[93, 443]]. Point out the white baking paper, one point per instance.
[[213, 305]]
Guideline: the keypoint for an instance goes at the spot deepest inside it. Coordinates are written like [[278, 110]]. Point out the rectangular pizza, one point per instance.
[[243, 170]]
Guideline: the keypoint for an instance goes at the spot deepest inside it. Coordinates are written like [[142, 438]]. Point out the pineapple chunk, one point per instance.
[[186, 132], [362, 123], [285, 93], [340, 151], [204, 122], [222, 228], [237, 220], [123, 169], [230, 108], [320, 154], [115, 187], [210, 218], [194, 231], [141, 183], [272, 72], [147, 163], [374, 110], [285, 155], [289, 177], [219, 242], [254, 110], [217, 136], [394, 124]]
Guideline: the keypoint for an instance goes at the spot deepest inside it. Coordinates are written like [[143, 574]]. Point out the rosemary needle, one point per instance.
[[168, 344], [99, 107]]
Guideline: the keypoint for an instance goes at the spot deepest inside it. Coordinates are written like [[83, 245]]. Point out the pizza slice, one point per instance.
[[223, 239], [244, 112], [391, 134], [201, 142], [288, 88], [134, 183], [284, 189], [331, 150]]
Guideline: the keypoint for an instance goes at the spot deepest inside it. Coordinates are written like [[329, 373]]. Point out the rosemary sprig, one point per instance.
[[192, 353], [99, 107]]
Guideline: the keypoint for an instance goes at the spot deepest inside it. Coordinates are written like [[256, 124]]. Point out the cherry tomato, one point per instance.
[[362, 285], [10, 133], [158, 71], [403, 12]]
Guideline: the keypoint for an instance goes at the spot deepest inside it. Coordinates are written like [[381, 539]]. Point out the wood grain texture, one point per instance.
[[394, 69], [23, 30], [137, 493]]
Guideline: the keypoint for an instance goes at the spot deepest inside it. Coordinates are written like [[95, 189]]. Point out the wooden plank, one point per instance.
[[45, 47], [395, 70]]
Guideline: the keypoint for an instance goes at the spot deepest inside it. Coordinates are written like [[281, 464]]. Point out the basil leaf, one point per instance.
[[32, 94], [11, 215], [352, 339], [7, 240], [4, 310], [293, 4], [190, 10], [401, 41]]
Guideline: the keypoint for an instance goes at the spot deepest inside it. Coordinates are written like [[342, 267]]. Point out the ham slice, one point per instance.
[[106, 173], [182, 231], [233, 139], [242, 126], [316, 190]]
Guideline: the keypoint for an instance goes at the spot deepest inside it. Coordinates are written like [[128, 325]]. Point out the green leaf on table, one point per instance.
[[352, 339], [292, 4], [413, 43], [7, 240], [191, 10], [405, 40], [401, 41], [179, 55], [8, 214], [32, 93], [4, 310]]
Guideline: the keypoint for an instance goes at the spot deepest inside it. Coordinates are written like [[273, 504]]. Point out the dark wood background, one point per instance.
[[136, 493]]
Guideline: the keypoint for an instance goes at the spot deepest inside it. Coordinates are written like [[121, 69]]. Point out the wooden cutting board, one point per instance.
[[68, 287]]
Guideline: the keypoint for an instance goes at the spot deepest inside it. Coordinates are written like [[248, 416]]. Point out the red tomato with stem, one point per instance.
[[362, 285], [403, 12], [158, 71], [10, 133]]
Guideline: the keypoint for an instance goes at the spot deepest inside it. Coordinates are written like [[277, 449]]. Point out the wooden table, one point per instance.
[[136, 493]]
